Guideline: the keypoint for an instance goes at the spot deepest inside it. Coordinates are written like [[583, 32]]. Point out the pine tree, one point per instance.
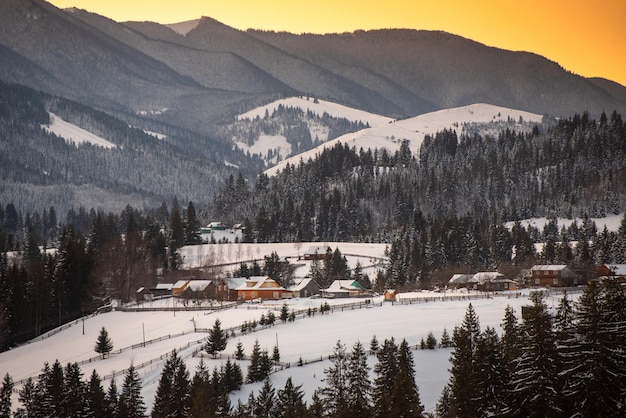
[[254, 366], [445, 341], [97, 405], [239, 353], [359, 387], [276, 355], [405, 399], [6, 392], [201, 393], [431, 341], [534, 379], [173, 392], [284, 313], [464, 379], [386, 371], [264, 404], [27, 397], [104, 345], [335, 392], [492, 374], [217, 339], [112, 398], [290, 401], [192, 227], [443, 407], [130, 402], [74, 396], [231, 376], [374, 345]]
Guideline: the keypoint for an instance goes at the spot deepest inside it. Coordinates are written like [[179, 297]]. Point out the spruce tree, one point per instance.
[[6, 392], [359, 387], [104, 345], [464, 379], [173, 396], [217, 339], [254, 366], [97, 405], [534, 379], [264, 405], [290, 401], [445, 341], [239, 353], [386, 371], [201, 393], [335, 392], [192, 227], [443, 407], [130, 403], [27, 398], [492, 374], [112, 398], [405, 399], [74, 397]]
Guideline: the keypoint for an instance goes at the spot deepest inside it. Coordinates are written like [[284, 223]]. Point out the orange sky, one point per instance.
[[587, 38]]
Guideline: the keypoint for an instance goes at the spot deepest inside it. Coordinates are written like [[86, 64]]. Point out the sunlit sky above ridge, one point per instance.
[[586, 38]]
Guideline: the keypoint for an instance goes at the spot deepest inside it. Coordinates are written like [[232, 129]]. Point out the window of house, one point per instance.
[[537, 281], [555, 281]]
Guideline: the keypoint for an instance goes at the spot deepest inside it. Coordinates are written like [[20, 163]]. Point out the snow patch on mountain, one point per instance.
[[270, 147], [319, 107], [183, 28], [73, 134], [391, 134]]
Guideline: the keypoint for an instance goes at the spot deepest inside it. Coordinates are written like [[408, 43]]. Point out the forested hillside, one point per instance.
[[40, 169]]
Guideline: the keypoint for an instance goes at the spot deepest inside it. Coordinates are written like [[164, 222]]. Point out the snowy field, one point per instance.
[[308, 338], [230, 255]]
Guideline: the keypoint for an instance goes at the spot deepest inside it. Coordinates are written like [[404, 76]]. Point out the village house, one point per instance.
[[261, 287], [304, 288], [179, 287], [488, 281], [316, 252], [226, 289], [458, 281], [345, 289], [200, 289], [553, 275], [614, 271]]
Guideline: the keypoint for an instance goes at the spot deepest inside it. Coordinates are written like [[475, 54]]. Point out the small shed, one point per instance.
[[143, 294], [390, 295], [317, 252]]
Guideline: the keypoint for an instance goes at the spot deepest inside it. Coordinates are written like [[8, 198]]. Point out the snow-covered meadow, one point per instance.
[[307, 338]]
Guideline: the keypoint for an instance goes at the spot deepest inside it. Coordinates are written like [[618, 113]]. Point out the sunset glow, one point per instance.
[[585, 38]]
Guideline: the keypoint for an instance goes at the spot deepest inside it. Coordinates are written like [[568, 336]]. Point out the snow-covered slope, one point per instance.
[[73, 134], [319, 107], [391, 134], [307, 338]]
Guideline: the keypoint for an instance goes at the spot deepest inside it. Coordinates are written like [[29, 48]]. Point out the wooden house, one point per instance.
[[345, 289], [261, 287], [458, 281], [179, 287], [304, 288], [226, 289], [553, 275], [199, 289]]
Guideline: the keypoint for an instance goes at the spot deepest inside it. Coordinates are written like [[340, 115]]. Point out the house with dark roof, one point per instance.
[[304, 288], [316, 252]]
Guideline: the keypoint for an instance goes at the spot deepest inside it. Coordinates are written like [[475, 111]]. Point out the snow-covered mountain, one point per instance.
[[390, 133]]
